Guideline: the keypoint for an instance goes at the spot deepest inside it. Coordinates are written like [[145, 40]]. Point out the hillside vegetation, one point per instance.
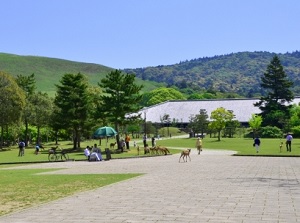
[[237, 72], [48, 71]]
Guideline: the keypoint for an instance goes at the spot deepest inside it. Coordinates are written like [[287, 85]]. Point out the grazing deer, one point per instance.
[[185, 154], [163, 150], [112, 145]]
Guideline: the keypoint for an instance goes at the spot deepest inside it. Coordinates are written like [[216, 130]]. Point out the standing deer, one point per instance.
[[185, 154]]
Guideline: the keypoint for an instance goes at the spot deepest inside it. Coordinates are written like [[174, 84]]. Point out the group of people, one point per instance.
[[288, 143], [93, 153]]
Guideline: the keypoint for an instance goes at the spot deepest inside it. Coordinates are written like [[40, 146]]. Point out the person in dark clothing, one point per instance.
[[153, 141], [256, 144]]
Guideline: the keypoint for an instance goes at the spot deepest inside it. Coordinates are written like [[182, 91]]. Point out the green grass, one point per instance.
[[25, 188], [48, 71], [11, 155], [243, 146]]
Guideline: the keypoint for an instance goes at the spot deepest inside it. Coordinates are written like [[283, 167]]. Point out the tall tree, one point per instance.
[[12, 102], [121, 96], [27, 83], [275, 112], [72, 100], [199, 122], [219, 118], [42, 109]]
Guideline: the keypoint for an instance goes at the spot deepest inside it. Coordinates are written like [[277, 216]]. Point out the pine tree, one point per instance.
[[72, 101], [275, 112], [121, 96]]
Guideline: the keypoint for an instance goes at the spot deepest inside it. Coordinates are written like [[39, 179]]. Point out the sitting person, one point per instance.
[[87, 152], [96, 152]]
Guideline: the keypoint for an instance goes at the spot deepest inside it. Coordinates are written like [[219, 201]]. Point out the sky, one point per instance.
[[141, 33]]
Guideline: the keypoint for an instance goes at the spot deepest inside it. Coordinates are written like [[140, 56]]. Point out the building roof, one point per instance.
[[182, 110]]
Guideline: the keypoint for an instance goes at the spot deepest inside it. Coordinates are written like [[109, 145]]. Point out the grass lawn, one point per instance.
[[25, 188], [243, 146]]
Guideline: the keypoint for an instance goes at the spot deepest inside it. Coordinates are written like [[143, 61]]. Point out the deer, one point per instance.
[[185, 154]]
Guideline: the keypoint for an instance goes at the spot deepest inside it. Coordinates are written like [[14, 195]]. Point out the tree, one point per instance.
[[27, 83], [121, 96], [42, 109], [166, 120], [199, 122], [72, 101], [12, 102], [255, 123], [219, 118], [274, 111], [160, 95]]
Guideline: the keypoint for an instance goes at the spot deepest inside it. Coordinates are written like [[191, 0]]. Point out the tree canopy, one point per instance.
[[274, 110], [121, 96], [160, 95], [219, 118], [12, 101], [72, 101]]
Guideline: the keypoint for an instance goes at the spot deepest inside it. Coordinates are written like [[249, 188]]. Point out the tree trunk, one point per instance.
[[117, 136], [26, 133], [38, 136], [219, 135]]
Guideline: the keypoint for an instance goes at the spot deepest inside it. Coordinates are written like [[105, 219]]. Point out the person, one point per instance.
[[122, 144], [288, 142], [87, 152], [96, 152], [21, 148], [145, 140], [153, 141], [256, 144], [127, 140], [199, 145], [134, 144], [37, 149]]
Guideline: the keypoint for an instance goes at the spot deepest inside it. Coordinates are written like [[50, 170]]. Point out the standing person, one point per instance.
[[145, 140], [288, 142], [21, 148], [127, 140], [256, 144], [153, 141], [199, 145]]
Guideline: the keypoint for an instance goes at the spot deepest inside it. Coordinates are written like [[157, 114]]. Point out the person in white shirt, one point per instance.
[[87, 152]]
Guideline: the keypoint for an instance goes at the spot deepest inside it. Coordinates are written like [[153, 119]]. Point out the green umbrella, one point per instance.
[[105, 132]]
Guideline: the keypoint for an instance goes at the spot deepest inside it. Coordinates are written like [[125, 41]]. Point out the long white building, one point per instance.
[[182, 110]]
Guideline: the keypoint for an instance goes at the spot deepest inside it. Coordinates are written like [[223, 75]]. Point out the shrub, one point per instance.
[[296, 131], [270, 132]]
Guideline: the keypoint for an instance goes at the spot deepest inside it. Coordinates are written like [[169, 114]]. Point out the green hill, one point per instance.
[[237, 72], [48, 71], [233, 73]]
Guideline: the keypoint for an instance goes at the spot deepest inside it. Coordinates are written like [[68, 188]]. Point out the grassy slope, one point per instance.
[[48, 71]]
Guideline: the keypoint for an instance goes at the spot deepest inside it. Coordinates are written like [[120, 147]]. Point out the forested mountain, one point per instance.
[[237, 72], [233, 73]]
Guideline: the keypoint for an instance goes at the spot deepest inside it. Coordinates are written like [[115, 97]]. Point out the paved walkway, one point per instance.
[[213, 187]]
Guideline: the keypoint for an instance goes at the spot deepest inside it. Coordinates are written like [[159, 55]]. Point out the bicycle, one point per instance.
[[55, 156]]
